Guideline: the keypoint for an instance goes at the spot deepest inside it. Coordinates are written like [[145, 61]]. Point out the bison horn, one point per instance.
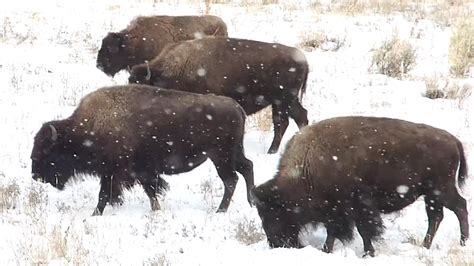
[[148, 72], [54, 133]]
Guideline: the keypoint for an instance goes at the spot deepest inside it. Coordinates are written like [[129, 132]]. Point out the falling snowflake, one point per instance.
[[402, 189], [87, 143], [201, 72]]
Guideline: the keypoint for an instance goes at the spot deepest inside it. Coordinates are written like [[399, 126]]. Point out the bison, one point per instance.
[[145, 37], [255, 74], [134, 133], [346, 171]]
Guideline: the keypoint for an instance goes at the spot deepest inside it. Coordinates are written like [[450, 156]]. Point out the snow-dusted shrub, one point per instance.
[[158, 260], [394, 58], [446, 89], [9, 196], [433, 90], [379, 6], [320, 40], [312, 41], [461, 48], [248, 232]]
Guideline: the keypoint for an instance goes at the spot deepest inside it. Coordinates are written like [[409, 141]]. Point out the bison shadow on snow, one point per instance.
[[344, 172], [134, 133]]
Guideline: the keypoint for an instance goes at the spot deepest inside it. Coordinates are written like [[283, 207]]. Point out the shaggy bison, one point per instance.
[[346, 171], [134, 133], [255, 74], [145, 37]]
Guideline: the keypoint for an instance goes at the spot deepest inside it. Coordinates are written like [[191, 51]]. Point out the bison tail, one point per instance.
[[162, 186], [303, 86], [462, 172]]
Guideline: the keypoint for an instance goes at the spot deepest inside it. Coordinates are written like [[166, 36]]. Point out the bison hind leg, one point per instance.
[[299, 114], [245, 168], [280, 123], [154, 186]]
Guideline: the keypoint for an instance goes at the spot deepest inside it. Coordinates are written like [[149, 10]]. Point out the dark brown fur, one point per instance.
[[346, 171], [255, 74], [133, 133], [146, 37]]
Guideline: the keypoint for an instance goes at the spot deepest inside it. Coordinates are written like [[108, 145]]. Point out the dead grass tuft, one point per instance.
[[248, 232], [9, 196]]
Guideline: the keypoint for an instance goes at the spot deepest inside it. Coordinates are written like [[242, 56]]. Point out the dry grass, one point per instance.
[[319, 40], [9, 196], [380, 6], [442, 88], [461, 49], [394, 58], [433, 90], [459, 257], [159, 260], [248, 232], [262, 120]]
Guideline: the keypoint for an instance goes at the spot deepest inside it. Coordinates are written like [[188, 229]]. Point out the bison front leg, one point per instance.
[[329, 243], [226, 170], [104, 194]]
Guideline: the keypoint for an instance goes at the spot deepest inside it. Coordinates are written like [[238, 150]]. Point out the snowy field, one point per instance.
[[47, 63]]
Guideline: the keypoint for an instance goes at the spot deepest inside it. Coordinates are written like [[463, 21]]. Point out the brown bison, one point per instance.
[[255, 74], [345, 171], [134, 133], [145, 37]]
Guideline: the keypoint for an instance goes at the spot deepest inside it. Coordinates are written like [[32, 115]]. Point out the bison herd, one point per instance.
[[190, 89]]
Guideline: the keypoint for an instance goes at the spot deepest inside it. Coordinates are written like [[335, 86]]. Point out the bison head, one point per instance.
[[52, 159], [112, 56], [280, 217]]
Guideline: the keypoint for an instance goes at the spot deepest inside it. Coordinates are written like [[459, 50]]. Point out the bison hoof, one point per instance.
[[370, 253], [326, 249], [221, 210], [272, 150], [155, 206], [96, 212]]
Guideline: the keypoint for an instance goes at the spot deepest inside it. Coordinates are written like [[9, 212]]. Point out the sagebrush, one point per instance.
[[461, 48], [394, 58]]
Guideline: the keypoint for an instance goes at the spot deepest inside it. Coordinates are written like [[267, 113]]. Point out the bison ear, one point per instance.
[[54, 133], [266, 194], [140, 74], [116, 40]]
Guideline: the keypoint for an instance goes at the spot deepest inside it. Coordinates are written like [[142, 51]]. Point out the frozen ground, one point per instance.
[[47, 63]]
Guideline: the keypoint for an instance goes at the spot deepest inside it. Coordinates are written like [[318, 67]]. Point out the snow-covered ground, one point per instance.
[[47, 63]]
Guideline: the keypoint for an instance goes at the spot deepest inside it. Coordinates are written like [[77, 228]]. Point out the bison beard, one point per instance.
[[134, 133], [255, 74], [344, 172]]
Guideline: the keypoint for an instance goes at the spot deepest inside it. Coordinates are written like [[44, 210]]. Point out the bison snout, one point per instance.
[[100, 66], [37, 177]]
